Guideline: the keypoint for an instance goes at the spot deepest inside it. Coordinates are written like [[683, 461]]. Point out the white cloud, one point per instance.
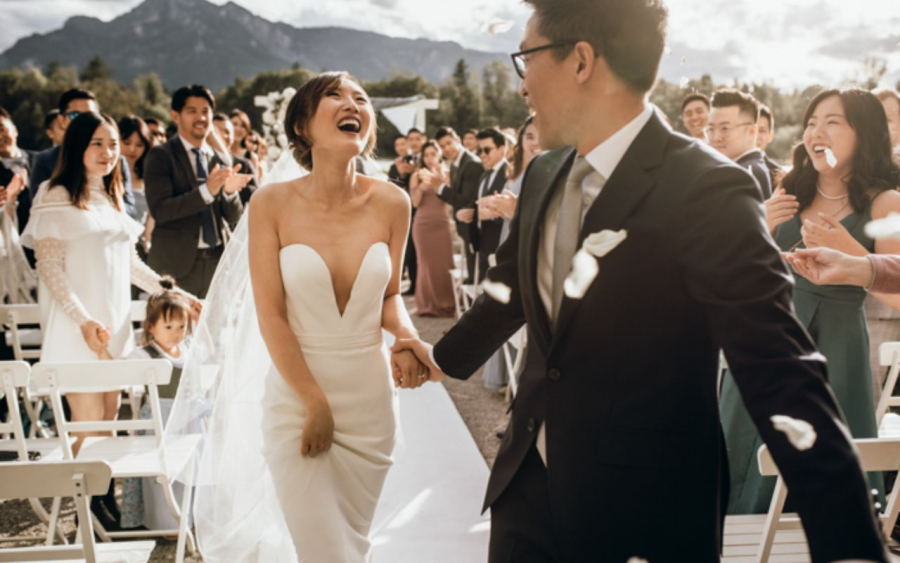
[[789, 42]]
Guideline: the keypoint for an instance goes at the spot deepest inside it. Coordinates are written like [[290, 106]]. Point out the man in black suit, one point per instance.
[[71, 103], [459, 188], [765, 137], [192, 191], [225, 129], [401, 170], [614, 448], [484, 227], [733, 129]]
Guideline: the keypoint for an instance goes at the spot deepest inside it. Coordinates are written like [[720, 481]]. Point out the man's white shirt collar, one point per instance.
[[204, 148], [498, 166], [459, 156], [605, 157]]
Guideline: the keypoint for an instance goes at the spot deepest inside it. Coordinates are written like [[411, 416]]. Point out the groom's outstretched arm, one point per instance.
[[732, 266]]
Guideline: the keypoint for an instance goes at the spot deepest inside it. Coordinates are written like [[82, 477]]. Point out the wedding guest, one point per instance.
[[52, 128], [255, 148], [17, 278], [171, 131], [486, 235], [86, 262], [695, 115], [764, 138], [14, 161], [401, 167], [460, 190], [167, 324], [225, 128], [242, 129], [72, 103], [157, 131], [192, 191], [415, 139], [496, 376], [136, 143], [431, 233], [842, 178], [878, 273], [470, 140], [890, 99], [732, 130]]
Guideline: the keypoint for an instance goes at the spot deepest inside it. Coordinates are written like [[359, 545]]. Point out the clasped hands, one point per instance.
[[411, 364]]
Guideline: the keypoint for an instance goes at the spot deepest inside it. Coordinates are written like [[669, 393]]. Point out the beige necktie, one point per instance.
[[567, 230]]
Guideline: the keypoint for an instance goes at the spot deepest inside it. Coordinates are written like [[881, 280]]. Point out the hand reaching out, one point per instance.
[[422, 351]]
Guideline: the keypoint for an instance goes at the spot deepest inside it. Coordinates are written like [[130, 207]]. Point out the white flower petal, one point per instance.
[[889, 227], [496, 26], [830, 158], [685, 82], [668, 52], [800, 433], [262, 102], [282, 140], [602, 243], [288, 93], [683, 61], [584, 270], [268, 117], [498, 291]]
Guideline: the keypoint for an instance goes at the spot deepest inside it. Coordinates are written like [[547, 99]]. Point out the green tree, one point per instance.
[[240, 95], [153, 99], [96, 70]]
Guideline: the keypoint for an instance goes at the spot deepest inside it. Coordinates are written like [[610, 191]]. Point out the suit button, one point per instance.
[[531, 425], [554, 374]]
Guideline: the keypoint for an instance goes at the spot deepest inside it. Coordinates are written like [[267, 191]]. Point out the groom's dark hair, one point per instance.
[[629, 34]]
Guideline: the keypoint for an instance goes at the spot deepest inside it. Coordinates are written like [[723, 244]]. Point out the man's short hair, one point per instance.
[[472, 131], [221, 117], [399, 136], [180, 97], [494, 134], [74, 94], [747, 104], [50, 118], [152, 121], [445, 132], [886, 93], [629, 34], [764, 111], [414, 130], [695, 97]]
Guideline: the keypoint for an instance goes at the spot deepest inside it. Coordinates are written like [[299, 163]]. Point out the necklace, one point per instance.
[[830, 197]]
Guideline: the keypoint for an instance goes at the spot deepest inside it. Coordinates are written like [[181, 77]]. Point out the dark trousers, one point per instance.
[[197, 281], [521, 527], [412, 264], [470, 262]]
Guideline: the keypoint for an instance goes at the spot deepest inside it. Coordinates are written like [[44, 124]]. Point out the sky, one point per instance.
[[791, 43]]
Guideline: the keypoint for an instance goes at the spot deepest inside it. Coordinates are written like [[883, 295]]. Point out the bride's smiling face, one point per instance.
[[344, 120]]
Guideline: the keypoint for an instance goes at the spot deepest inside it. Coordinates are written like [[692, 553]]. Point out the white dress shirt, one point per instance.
[[456, 162]]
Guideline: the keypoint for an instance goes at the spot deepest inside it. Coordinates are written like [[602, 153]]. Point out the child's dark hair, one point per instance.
[[164, 305]]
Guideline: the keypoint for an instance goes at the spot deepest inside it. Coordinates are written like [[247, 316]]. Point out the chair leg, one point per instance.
[[53, 530], [772, 519], [183, 532]]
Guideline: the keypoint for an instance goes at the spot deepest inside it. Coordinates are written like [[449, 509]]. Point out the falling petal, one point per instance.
[[498, 291], [496, 26], [889, 227], [800, 433], [668, 51], [685, 82], [584, 271], [602, 243], [683, 60], [830, 158]]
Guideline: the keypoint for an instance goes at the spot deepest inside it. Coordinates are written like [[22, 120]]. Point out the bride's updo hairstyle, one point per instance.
[[70, 172], [303, 107]]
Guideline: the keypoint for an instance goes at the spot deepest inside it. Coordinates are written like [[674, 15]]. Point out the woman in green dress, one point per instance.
[[843, 177]]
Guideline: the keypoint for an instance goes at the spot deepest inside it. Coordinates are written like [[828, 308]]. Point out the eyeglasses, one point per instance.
[[725, 130], [480, 151], [518, 59]]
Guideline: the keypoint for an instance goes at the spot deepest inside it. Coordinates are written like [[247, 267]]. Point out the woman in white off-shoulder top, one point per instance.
[[86, 259]]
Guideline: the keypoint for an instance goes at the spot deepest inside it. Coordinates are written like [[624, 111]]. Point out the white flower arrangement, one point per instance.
[[275, 104]]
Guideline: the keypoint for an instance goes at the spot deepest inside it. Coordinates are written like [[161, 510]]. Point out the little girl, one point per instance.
[[166, 326]]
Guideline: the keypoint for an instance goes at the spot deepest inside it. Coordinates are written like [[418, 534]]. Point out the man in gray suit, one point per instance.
[[192, 191]]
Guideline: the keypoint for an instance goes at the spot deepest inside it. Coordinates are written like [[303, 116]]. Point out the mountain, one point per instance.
[[196, 41]]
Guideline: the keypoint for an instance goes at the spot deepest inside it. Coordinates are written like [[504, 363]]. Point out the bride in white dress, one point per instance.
[[307, 455]]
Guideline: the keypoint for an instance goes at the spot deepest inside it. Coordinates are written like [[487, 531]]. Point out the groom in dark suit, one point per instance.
[[192, 191], [614, 448]]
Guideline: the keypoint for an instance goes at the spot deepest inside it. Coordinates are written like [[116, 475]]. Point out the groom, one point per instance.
[[614, 448]]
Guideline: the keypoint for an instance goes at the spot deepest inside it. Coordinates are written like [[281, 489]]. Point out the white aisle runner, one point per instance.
[[430, 509]]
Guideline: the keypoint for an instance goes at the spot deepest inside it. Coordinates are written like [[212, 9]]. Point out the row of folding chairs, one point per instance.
[[128, 455]]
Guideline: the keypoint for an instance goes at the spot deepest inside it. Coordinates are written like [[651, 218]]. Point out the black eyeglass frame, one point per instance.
[[519, 56]]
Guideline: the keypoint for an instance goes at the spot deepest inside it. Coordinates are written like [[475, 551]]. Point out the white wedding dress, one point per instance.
[[329, 501]]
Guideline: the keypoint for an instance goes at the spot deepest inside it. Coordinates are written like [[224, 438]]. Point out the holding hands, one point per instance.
[[824, 266], [411, 364], [95, 335]]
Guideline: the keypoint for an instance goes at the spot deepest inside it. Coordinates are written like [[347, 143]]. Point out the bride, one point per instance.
[[325, 258]]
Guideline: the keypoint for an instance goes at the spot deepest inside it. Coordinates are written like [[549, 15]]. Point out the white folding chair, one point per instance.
[[760, 538], [888, 423], [14, 377], [21, 326], [517, 344], [76, 479], [135, 394], [129, 456]]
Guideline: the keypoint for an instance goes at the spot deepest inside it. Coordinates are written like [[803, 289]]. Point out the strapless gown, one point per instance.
[[329, 501]]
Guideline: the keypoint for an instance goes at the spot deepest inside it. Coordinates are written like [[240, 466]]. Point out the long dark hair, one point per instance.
[[873, 167], [70, 171], [519, 154], [128, 126]]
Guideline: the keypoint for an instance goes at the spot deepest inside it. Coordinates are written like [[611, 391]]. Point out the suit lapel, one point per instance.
[[499, 181], [181, 156], [629, 184], [547, 172]]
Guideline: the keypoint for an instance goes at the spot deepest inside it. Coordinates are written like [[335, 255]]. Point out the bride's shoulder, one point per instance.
[[273, 195], [388, 194]]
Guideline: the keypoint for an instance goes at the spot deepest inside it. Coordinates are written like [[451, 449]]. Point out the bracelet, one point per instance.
[[874, 270]]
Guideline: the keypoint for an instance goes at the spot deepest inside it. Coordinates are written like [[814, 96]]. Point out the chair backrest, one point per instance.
[[138, 311], [15, 317], [889, 357], [53, 479], [60, 378], [14, 376]]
